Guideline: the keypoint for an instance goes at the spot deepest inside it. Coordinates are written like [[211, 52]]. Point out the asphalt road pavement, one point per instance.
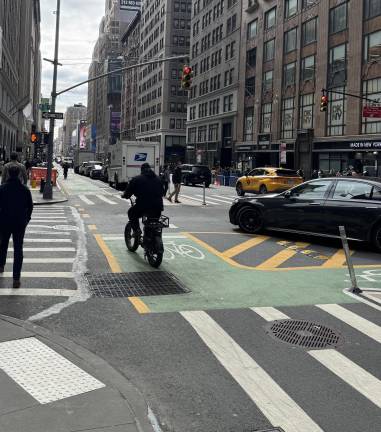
[[216, 358]]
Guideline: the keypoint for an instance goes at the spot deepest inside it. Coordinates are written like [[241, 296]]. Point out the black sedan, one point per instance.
[[317, 207]]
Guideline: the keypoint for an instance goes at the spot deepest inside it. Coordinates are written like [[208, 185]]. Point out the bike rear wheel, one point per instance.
[[132, 242], [155, 252]]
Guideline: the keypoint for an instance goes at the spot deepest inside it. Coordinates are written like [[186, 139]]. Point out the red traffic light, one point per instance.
[[324, 99], [187, 70]]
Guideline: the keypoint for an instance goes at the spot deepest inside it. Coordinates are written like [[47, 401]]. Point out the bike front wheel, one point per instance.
[[132, 242], [155, 252]]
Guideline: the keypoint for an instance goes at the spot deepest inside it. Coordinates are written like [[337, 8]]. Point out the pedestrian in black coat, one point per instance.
[[16, 207]]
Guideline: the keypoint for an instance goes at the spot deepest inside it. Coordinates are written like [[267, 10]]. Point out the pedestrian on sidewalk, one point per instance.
[[22, 170], [16, 207], [176, 180], [165, 177]]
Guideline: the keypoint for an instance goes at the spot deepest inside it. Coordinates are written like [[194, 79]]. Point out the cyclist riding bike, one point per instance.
[[148, 190]]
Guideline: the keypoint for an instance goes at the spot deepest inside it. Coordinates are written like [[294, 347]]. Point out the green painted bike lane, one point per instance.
[[215, 284]]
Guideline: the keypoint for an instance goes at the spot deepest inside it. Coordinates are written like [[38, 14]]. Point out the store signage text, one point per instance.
[[365, 145]]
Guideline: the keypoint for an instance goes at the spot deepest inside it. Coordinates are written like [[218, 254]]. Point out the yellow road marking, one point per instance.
[[337, 259], [282, 256], [112, 261], [139, 305], [229, 253], [92, 227]]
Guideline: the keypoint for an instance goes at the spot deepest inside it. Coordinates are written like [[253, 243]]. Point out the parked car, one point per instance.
[[90, 165], [196, 174], [265, 180], [82, 168], [317, 207], [96, 172], [104, 173]]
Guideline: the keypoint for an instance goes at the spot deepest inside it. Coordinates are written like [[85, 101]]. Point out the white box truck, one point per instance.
[[126, 158], [82, 156]]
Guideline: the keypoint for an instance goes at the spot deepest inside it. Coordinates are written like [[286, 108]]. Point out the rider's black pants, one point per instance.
[[136, 212]]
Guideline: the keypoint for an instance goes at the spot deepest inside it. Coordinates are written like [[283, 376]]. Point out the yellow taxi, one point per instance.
[[266, 180]]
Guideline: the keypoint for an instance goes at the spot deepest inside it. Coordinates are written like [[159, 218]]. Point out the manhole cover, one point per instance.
[[134, 284], [304, 334]]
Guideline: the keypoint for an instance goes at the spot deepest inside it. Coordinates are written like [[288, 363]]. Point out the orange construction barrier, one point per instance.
[[38, 173]]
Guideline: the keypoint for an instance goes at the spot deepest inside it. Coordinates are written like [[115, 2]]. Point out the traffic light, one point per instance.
[[186, 78], [323, 103]]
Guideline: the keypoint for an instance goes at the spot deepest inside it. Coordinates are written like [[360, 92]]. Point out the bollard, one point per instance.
[[203, 194], [355, 289], [42, 185]]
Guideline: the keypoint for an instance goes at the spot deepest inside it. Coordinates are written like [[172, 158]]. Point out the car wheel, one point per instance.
[[263, 190], [239, 189], [376, 237], [186, 181], [207, 185], [250, 220]]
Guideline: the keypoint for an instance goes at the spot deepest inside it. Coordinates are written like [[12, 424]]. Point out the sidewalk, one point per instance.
[[48, 383], [58, 196]]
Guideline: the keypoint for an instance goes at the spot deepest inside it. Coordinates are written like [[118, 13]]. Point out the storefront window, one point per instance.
[[337, 113], [266, 118], [306, 111], [249, 124], [372, 90], [287, 118]]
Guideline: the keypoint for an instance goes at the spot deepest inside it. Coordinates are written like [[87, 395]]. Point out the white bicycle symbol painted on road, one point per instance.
[[171, 250]]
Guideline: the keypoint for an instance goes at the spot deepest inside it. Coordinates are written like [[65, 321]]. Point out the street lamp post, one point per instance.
[[48, 190]]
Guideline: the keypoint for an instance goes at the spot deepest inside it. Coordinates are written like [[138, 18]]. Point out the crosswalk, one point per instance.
[[211, 199], [300, 390], [50, 253]]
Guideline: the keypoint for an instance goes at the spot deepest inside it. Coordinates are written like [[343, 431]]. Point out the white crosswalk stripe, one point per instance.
[[198, 199], [85, 200], [106, 200], [219, 200]]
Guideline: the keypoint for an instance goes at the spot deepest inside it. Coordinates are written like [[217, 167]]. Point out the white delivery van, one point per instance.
[[126, 158]]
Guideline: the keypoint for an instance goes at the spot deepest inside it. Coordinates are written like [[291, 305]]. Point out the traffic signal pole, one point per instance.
[[48, 189]]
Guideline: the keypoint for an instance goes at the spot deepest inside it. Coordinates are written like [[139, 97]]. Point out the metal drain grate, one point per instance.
[[304, 334], [134, 284]]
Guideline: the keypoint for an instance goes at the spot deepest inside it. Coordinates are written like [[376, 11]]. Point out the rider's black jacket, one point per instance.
[[148, 190]]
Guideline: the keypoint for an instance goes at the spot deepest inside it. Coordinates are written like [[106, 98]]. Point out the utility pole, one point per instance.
[[48, 190]]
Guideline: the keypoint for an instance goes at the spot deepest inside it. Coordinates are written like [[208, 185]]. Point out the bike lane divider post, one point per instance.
[[203, 194]]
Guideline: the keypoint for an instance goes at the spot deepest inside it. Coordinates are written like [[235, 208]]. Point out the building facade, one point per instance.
[[291, 50], [20, 75], [162, 103], [73, 116], [213, 103]]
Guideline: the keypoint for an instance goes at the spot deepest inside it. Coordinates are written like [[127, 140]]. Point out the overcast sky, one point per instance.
[[78, 33]]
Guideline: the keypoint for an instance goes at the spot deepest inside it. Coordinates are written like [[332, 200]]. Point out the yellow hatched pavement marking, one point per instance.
[[282, 256], [336, 260], [235, 250], [139, 305]]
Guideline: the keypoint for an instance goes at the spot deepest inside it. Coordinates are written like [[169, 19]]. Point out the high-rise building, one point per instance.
[[213, 104], [291, 50], [104, 95], [162, 103], [20, 75], [73, 115]]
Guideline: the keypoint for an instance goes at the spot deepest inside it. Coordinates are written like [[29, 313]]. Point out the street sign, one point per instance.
[[371, 111], [54, 115]]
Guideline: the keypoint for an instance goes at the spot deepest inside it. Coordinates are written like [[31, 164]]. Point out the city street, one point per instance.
[[207, 359]]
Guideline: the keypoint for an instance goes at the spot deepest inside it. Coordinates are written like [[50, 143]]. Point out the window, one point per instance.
[[172, 107], [172, 123], [248, 131], [252, 29], [270, 18], [372, 47], [372, 8], [308, 68], [289, 73], [231, 24], [309, 31], [231, 3], [269, 50], [201, 134], [338, 18], [372, 90], [337, 113], [287, 118], [192, 134], [266, 113], [228, 78], [351, 190], [313, 190], [228, 103], [174, 73], [268, 81], [251, 57], [229, 50], [290, 8], [308, 3], [250, 87], [306, 111], [290, 40], [337, 73], [213, 132]]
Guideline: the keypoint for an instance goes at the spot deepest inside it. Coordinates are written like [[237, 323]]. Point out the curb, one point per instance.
[[103, 371], [50, 202]]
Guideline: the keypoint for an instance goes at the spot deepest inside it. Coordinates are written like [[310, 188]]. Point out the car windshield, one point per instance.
[[200, 169], [286, 173], [98, 167]]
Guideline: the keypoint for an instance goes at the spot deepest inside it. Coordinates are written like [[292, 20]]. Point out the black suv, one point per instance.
[[196, 174]]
